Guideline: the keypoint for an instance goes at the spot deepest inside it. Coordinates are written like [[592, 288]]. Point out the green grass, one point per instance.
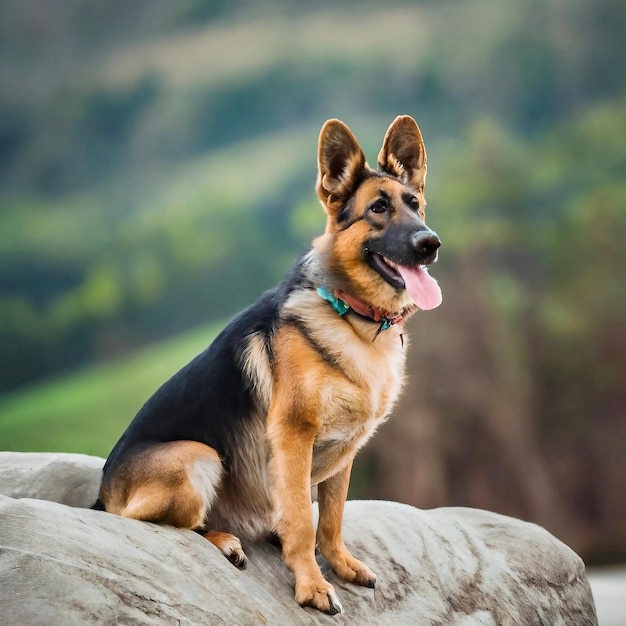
[[88, 411]]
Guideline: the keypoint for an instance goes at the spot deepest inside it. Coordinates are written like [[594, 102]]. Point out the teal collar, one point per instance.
[[342, 307], [339, 305]]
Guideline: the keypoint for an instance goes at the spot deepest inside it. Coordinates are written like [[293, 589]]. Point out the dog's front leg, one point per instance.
[[331, 496], [292, 451]]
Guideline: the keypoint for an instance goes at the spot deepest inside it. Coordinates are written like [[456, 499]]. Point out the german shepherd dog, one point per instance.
[[286, 395]]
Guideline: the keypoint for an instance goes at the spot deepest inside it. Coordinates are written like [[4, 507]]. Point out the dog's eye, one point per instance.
[[414, 203], [380, 206]]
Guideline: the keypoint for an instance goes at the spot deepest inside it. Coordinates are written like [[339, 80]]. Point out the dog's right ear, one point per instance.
[[341, 165]]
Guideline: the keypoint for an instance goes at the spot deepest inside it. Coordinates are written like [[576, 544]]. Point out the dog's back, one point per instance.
[[215, 401]]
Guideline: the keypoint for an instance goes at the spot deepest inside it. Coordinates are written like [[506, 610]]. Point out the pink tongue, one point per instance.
[[421, 286]]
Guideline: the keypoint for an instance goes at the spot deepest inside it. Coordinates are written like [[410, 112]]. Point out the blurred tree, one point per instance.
[[516, 397]]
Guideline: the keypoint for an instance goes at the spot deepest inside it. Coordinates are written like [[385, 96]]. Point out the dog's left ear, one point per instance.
[[403, 153], [341, 165]]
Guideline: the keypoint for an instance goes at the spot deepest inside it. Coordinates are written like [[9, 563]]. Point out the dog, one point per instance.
[[293, 387]]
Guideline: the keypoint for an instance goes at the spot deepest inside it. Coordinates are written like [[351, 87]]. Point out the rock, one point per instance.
[[72, 479], [62, 565]]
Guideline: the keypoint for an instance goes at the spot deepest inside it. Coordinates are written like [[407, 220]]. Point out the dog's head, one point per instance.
[[377, 245]]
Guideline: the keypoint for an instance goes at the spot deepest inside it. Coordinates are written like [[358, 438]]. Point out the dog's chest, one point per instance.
[[354, 404]]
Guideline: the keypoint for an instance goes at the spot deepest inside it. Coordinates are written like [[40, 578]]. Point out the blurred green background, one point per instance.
[[157, 162]]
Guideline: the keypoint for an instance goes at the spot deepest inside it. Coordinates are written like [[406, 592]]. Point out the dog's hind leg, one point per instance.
[[171, 483]]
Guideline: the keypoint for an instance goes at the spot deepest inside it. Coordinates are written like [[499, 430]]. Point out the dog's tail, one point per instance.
[[98, 506]]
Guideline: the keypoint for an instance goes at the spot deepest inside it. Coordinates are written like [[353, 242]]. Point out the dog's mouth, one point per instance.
[[419, 284], [387, 269]]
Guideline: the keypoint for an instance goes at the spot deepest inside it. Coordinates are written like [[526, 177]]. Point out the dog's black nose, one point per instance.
[[425, 243]]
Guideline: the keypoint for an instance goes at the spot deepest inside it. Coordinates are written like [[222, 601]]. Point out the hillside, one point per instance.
[[151, 139], [88, 410]]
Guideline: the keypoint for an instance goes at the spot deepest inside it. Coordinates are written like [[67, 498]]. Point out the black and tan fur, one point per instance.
[[290, 390]]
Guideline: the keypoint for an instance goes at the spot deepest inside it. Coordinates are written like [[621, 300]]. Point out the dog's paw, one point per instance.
[[237, 557], [365, 577], [230, 547], [353, 571], [321, 596]]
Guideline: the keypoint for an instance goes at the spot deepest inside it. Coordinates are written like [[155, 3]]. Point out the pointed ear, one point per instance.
[[403, 153], [341, 165]]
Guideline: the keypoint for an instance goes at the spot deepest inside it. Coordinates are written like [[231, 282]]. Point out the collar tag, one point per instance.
[[386, 323]]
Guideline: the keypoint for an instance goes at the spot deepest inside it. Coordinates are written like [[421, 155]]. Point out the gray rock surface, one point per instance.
[[62, 565], [72, 479]]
